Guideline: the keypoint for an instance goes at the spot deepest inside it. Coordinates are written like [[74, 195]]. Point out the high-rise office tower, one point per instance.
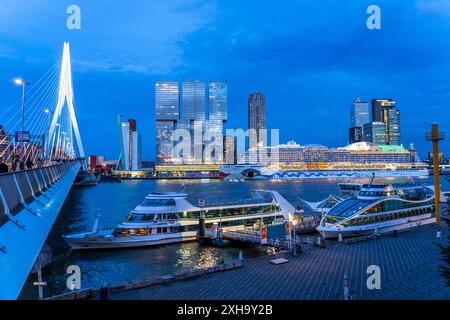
[[384, 110], [355, 134], [193, 107], [185, 108], [193, 115], [394, 127], [217, 116], [167, 100], [131, 146], [167, 104], [257, 119], [217, 100], [380, 108], [359, 113], [375, 132]]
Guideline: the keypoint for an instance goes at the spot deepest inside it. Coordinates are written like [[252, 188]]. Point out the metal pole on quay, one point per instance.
[[435, 136]]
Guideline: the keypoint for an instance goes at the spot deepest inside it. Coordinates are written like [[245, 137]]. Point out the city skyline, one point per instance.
[[313, 93]]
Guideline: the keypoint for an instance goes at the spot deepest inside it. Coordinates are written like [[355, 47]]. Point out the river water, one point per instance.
[[114, 200]]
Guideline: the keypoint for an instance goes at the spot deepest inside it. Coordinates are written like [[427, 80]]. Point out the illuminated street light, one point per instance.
[[23, 83]]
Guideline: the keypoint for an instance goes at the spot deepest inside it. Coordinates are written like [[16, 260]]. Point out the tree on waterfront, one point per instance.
[[445, 269]]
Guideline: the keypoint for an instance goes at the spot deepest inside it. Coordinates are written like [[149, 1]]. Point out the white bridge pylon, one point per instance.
[[64, 122]]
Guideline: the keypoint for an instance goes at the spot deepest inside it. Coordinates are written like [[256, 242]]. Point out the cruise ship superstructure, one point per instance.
[[358, 160]]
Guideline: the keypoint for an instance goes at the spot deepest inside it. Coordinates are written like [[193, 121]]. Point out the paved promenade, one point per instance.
[[408, 263]]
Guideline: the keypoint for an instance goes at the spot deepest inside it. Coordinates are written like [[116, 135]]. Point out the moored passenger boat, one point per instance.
[[380, 209], [164, 218]]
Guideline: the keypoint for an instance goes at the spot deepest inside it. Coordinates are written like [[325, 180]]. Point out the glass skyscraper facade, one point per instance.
[[193, 105], [375, 132], [164, 141], [355, 134], [167, 105], [257, 119], [217, 100], [185, 108], [384, 110], [167, 99], [359, 113], [394, 127]]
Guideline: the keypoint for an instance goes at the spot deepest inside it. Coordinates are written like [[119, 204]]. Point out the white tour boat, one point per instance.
[[380, 209], [164, 218]]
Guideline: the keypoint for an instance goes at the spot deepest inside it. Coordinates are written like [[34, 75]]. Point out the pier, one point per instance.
[[408, 264]]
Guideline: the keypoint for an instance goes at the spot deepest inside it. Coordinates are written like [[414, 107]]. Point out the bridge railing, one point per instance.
[[18, 189]]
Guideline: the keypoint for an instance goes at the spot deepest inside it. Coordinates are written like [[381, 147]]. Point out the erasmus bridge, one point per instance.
[[41, 144]]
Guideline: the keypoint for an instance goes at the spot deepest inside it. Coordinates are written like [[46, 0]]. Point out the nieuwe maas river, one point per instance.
[[114, 200]]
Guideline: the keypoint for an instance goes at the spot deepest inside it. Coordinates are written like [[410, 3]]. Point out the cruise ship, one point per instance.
[[255, 172], [379, 209], [169, 217], [358, 160]]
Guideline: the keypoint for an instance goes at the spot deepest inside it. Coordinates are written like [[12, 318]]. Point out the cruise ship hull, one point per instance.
[[378, 228], [261, 172]]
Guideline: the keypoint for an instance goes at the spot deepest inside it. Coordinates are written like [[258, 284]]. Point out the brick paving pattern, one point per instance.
[[409, 270]]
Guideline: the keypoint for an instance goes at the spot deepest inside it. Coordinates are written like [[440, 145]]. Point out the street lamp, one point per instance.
[[23, 83]]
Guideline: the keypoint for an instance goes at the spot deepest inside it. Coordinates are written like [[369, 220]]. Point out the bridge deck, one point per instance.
[[29, 204]]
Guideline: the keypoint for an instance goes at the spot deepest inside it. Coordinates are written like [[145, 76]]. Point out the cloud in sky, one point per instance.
[[136, 36]]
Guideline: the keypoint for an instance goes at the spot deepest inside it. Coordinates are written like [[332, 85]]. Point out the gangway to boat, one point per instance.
[[267, 237]]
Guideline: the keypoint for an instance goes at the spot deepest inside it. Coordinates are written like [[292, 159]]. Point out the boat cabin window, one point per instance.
[[140, 217], [132, 232], [158, 203], [376, 193]]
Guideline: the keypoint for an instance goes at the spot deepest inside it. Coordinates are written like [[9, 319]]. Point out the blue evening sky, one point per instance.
[[311, 59]]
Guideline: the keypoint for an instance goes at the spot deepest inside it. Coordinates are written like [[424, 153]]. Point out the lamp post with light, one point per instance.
[[23, 83]]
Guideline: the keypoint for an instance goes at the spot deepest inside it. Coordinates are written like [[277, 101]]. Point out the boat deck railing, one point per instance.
[[20, 188], [238, 202], [410, 185]]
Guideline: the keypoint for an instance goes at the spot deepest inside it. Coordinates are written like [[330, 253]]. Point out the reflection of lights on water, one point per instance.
[[197, 257], [207, 258]]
